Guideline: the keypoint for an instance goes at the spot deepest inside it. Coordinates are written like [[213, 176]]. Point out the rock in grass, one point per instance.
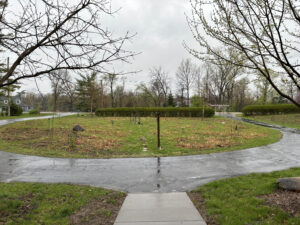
[[289, 183], [78, 128]]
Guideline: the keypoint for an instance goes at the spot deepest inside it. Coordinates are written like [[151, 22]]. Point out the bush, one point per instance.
[[270, 109], [15, 110], [35, 112], [3, 113], [152, 111]]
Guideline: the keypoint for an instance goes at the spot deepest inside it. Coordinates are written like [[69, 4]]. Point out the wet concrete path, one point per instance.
[[159, 209], [166, 174]]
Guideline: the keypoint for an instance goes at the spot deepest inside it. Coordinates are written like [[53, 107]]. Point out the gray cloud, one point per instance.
[[161, 28]]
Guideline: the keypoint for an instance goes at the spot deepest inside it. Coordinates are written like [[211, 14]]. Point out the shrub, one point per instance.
[[15, 110], [3, 113], [35, 112], [270, 109], [152, 111]]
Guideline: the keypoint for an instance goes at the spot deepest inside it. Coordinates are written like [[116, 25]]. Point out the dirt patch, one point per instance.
[[109, 133], [287, 201], [199, 202], [88, 143], [208, 143], [62, 139], [103, 211]]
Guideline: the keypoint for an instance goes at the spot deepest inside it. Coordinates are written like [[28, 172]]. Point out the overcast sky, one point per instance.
[[161, 28]]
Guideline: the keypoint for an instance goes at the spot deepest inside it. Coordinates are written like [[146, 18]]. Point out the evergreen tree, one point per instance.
[[87, 92], [171, 102]]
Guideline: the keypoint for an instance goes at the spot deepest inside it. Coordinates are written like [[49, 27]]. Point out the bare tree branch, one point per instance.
[[48, 36], [265, 33]]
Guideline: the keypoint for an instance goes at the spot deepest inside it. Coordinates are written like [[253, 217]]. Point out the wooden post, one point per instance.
[[158, 131]]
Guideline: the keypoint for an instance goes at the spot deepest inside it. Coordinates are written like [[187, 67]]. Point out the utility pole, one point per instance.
[[8, 92]]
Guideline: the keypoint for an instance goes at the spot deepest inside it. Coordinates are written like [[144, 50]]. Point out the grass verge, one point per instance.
[[238, 200], [24, 115], [285, 120], [120, 137], [35, 203]]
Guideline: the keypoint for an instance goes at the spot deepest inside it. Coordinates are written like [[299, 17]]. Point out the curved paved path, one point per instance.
[[164, 174]]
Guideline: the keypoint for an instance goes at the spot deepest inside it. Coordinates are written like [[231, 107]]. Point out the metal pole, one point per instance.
[[158, 131]]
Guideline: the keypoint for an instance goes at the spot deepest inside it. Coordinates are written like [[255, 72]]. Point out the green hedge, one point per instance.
[[270, 109], [147, 112]]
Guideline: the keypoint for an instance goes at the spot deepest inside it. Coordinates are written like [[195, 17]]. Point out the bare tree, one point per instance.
[[3, 5], [198, 84], [69, 89], [56, 79], [266, 33], [120, 94], [223, 76], [149, 94], [47, 36], [160, 82], [241, 95], [186, 75], [111, 79], [264, 89]]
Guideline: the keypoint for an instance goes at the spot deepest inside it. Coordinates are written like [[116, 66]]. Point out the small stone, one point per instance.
[[289, 183], [143, 139], [145, 149], [78, 128]]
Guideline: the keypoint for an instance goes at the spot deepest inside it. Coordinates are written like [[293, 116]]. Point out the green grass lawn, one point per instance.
[[35, 203], [286, 120], [24, 115], [236, 200], [120, 137]]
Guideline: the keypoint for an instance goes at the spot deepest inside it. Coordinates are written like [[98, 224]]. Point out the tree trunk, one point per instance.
[[112, 95], [71, 104], [8, 103], [92, 106], [55, 101], [188, 96], [8, 92]]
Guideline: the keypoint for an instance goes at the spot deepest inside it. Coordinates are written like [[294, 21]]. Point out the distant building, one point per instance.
[[183, 102], [16, 100]]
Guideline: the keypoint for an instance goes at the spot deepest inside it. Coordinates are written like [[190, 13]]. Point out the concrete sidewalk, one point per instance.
[[159, 209]]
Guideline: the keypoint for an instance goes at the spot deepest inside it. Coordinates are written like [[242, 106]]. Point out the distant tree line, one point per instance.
[[215, 83]]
